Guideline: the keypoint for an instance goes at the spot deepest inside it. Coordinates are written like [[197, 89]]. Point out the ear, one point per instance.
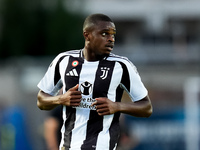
[[86, 35]]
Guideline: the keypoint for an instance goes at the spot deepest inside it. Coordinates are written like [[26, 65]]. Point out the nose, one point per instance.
[[111, 38]]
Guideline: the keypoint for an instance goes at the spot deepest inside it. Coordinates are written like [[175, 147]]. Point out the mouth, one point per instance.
[[110, 47]]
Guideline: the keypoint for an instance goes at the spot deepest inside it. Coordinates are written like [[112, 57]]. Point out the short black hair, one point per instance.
[[94, 19]]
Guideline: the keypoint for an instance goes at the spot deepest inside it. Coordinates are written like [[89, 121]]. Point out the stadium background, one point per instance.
[[162, 38]]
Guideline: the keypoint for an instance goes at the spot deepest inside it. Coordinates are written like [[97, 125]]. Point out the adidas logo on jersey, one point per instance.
[[73, 72]]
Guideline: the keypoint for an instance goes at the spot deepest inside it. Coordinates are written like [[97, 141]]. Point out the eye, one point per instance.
[[104, 34], [113, 35]]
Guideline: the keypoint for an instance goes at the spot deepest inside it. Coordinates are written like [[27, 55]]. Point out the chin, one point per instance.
[[107, 54], [102, 56]]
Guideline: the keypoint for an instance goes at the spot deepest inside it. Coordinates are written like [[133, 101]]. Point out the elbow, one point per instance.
[[149, 108], [39, 104], [42, 103], [149, 111]]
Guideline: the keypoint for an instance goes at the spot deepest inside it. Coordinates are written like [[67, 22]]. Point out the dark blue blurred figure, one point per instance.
[[13, 129]]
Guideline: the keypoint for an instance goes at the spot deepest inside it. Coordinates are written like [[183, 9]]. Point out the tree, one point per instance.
[[30, 29]]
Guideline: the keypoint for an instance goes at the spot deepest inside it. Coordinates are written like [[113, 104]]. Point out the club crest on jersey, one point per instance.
[[75, 63], [86, 88], [105, 72]]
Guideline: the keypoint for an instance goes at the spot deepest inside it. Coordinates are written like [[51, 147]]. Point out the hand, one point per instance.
[[72, 97], [104, 106]]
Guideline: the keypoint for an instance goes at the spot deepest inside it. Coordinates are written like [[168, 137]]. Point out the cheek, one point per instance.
[[100, 41]]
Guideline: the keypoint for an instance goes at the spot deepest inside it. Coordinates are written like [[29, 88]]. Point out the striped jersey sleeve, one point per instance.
[[52, 76], [131, 81]]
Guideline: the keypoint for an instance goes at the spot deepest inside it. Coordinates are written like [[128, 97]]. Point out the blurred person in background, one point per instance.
[[128, 139], [52, 127], [93, 81], [14, 132]]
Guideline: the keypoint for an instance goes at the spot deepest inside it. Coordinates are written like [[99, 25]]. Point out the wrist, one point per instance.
[[58, 100], [117, 107]]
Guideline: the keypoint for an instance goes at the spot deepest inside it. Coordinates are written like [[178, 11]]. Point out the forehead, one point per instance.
[[105, 25]]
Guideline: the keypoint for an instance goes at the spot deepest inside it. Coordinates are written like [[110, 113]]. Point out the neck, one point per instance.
[[89, 55]]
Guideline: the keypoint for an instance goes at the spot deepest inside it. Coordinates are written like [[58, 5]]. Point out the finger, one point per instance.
[[74, 97], [102, 110], [74, 104], [75, 88], [94, 103], [103, 113], [75, 101], [101, 106], [75, 93], [100, 101]]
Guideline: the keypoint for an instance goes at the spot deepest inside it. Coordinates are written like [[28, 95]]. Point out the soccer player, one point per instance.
[[93, 81]]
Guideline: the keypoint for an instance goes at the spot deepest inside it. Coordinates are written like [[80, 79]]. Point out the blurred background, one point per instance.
[[161, 37]]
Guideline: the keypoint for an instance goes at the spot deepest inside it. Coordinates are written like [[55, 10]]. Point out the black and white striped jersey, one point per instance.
[[83, 128]]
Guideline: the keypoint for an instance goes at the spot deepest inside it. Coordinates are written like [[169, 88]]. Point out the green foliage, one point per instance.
[[30, 29]]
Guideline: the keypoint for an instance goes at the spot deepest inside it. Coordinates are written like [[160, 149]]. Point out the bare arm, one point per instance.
[[141, 108], [71, 98]]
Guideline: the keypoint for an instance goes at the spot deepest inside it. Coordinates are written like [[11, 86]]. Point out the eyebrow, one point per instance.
[[111, 31]]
